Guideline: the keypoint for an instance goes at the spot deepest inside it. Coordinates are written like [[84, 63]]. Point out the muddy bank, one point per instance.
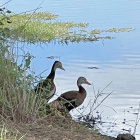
[[55, 128]]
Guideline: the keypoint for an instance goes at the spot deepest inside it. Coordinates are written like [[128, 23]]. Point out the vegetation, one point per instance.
[[18, 102], [37, 27], [40, 28], [116, 30], [8, 134]]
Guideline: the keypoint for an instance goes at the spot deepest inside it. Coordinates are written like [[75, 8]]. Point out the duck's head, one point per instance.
[[82, 80], [58, 64]]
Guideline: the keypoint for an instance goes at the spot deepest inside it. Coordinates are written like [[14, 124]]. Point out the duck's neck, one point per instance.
[[52, 73], [81, 89]]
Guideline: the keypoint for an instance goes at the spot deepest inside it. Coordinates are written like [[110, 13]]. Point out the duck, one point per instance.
[[47, 87], [73, 99]]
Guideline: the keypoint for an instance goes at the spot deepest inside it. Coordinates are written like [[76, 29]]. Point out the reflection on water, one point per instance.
[[117, 60], [123, 71]]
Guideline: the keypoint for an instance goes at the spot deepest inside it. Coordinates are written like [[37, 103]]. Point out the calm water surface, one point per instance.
[[118, 59]]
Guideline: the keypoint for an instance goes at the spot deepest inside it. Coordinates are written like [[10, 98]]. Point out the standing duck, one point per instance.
[[73, 99], [47, 87]]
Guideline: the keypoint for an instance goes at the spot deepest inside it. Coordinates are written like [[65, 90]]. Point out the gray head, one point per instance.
[[82, 80], [58, 64]]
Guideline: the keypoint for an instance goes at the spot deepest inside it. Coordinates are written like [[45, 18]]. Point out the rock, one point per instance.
[[125, 137]]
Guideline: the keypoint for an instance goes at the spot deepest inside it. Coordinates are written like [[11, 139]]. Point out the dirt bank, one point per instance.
[[55, 128]]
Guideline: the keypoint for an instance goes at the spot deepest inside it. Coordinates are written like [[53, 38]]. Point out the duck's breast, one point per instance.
[[70, 95], [80, 99]]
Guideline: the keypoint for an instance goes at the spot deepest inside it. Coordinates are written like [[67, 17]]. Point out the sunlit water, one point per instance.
[[117, 60]]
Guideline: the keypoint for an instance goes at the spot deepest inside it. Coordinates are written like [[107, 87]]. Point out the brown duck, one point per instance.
[[73, 99], [47, 87]]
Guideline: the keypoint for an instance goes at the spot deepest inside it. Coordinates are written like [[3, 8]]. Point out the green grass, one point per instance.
[[115, 30], [37, 27], [41, 27], [9, 134], [17, 99]]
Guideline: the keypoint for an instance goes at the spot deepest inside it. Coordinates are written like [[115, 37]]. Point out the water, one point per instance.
[[118, 59]]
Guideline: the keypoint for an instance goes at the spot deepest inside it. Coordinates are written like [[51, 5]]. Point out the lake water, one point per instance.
[[118, 60]]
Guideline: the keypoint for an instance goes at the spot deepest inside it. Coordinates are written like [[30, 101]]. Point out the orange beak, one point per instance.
[[88, 83]]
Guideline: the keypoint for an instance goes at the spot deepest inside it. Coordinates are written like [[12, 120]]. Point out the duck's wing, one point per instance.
[[46, 85], [68, 99], [70, 95]]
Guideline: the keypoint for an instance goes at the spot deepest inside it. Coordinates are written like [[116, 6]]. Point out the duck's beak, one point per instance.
[[62, 68], [88, 83]]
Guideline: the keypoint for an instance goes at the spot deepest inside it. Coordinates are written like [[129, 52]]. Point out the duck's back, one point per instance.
[[68, 99], [47, 87], [70, 95]]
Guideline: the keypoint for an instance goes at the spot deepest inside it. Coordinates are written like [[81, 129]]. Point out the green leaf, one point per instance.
[[28, 61]]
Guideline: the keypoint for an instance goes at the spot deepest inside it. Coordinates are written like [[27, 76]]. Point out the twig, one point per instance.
[[5, 3], [31, 10], [137, 121], [70, 104], [97, 96], [105, 87], [74, 108], [102, 101], [111, 108], [41, 72]]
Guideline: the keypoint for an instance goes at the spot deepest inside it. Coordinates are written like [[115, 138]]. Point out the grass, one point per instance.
[[40, 27], [3, 134], [37, 27], [9, 134], [111, 30], [18, 101], [20, 107], [50, 127]]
